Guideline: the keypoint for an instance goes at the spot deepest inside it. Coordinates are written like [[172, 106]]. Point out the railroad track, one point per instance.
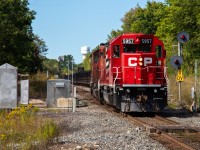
[[170, 133]]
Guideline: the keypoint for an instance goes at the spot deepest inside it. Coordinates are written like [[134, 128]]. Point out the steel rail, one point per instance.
[[154, 129]]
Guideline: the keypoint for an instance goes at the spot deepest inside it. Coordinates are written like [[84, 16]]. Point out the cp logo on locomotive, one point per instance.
[[132, 61]]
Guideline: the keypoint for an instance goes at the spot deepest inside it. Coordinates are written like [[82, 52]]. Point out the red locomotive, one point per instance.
[[129, 73]]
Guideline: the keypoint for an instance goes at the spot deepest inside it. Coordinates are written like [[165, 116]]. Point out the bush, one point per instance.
[[38, 86], [186, 86], [23, 129]]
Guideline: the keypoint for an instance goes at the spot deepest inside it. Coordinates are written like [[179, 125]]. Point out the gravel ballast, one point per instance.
[[93, 127], [188, 120]]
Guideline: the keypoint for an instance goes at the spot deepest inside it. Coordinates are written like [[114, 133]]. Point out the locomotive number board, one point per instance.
[[131, 41], [127, 41], [146, 41]]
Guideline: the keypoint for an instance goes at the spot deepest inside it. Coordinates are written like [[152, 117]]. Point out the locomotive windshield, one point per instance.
[[129, 48], [144, 48]]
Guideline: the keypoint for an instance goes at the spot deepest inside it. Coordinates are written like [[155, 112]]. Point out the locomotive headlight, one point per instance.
[[140, 59], [140, 63], [155, 90], [128, 90]]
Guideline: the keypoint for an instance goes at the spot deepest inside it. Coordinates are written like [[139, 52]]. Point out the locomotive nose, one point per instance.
[[151, 78], [138, 68]]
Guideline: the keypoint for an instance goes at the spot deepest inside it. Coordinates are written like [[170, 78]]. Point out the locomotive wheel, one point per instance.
[[123, 114]]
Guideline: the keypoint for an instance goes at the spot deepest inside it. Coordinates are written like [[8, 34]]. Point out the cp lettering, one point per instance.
[[133, 61]]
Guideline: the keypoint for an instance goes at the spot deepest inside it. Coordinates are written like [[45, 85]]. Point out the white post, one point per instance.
[[72, 79], [68, 68], [193, 106], [74, 100], [197, 104], [47, 74], [195, 73]]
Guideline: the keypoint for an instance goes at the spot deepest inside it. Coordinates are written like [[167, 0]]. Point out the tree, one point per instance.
[[86, 62], [144, 20], [51, 65], [66, 64], [182, 16], [141, 20], [166, 20], [129, 18], [114, 34], [37, 56], [17, 41]]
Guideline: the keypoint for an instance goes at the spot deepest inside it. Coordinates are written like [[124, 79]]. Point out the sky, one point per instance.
[[68, 25]]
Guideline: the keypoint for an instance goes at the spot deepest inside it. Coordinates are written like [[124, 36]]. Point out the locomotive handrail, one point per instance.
[[159, 72], [167, 79], [147, 68], [100, 79], [117, 73], [153, 67], [144, 67]]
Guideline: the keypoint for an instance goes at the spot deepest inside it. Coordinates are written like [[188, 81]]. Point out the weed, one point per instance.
[[186, 86], [23, 129]]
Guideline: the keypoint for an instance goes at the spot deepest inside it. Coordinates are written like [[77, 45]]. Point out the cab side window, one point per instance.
[[158, 50], [116, 51]]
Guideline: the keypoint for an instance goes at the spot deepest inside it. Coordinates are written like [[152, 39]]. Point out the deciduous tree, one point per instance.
[[18, 44]]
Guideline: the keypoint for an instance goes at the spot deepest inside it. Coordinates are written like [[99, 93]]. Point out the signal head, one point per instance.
[[183, 37], [176, 61]]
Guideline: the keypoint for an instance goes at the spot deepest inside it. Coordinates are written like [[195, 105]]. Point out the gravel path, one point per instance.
[[93, 127]]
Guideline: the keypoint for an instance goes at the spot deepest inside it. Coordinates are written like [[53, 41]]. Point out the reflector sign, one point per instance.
[[179, 76]]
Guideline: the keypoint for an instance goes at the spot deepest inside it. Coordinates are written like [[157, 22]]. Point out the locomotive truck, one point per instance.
[[129, 73]]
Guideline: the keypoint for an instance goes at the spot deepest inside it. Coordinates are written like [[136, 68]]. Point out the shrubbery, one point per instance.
[[23, 129], [38, 86]]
